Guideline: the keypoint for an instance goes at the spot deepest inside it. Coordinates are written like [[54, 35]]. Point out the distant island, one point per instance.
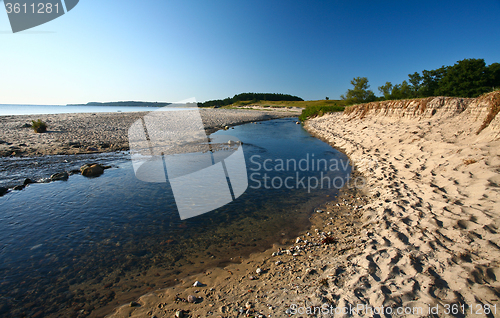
[[129, 103]]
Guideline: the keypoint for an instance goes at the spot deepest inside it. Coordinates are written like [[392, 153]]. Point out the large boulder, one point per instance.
[[92, 170]]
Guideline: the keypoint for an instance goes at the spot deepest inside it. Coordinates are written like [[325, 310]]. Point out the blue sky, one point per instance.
[[161, 50]]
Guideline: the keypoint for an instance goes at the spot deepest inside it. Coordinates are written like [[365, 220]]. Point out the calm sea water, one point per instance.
[[83, 246], [60, 109]]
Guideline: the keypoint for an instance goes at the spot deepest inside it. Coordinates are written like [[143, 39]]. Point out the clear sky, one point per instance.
[[159, 50]]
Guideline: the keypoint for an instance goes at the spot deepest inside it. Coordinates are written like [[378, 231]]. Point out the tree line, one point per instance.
[[254, 97], [466, 78]]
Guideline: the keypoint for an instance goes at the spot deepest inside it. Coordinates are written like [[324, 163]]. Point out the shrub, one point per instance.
[[39, 126], [313, 111]]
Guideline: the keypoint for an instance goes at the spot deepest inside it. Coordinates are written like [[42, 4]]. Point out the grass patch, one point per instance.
[[39, 126], [319, 110]]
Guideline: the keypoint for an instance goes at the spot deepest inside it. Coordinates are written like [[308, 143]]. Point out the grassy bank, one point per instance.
[[302, 104], [311, 108]]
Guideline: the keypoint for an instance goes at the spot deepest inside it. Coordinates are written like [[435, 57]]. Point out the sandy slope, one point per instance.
[[426, 235], [435, 207]]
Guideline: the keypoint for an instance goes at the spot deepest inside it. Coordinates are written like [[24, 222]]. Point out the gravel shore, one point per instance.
[[101, 132]]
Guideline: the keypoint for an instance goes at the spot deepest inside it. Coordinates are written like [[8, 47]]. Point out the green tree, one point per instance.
[[415, 80], [386, 90], [467, 78], [402, 91], [494, 75], [360, 93], [430, 81]]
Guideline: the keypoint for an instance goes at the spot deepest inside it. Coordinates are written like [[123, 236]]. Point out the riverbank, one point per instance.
[[422, 237], [81, 133]]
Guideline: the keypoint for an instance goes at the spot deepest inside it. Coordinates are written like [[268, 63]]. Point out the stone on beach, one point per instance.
[[179, 314], [192, 299], [198, 284]]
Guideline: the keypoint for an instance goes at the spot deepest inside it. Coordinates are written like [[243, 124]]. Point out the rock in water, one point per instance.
[[28, 181], [59, 176], [3, 191], [92, 170]]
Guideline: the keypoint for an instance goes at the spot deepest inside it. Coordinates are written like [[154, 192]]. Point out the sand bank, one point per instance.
[[424, 239]]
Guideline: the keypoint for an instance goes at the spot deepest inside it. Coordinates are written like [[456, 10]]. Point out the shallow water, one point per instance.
[[82, 246]]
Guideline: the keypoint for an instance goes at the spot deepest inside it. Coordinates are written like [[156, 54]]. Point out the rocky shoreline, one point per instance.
[[93, 133], [82, 133]]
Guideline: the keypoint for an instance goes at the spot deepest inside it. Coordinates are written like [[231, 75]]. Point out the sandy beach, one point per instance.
[[101, 132], [419, 239]]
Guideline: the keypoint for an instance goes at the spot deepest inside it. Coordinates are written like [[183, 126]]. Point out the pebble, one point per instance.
[[179, 314], [192, 299], [258, 271], [279, 263], [198, 284]]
